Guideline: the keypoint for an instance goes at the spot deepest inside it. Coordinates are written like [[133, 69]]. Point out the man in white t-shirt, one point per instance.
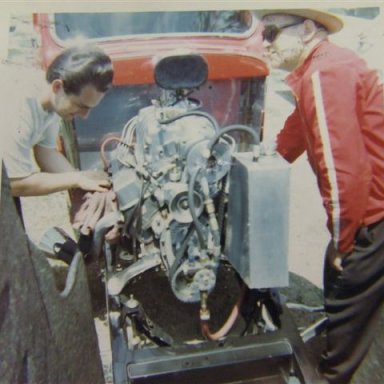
[[75, 82]]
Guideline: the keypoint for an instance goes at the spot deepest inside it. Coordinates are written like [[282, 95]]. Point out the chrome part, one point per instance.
[[166, 179]]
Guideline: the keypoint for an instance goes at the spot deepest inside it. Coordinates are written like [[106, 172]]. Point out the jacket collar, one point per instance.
[[294, 78]]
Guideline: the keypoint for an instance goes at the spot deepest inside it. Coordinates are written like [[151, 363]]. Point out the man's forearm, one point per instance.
[[44, 183], [50, 160]]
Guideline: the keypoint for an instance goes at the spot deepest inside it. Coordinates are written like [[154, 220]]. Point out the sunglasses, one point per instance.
[[271, 32]]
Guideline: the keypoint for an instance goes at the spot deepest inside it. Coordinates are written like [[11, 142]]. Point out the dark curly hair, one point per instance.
[[79, 66]]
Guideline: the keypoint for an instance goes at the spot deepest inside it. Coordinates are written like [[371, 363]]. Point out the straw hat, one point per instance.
[[330, 21]]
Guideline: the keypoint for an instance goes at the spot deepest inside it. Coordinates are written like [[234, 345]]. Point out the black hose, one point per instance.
[[230, 128], [180, 252], [101, 228], [221, 205], [192, 208]]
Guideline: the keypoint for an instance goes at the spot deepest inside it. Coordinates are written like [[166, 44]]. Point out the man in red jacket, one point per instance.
[[339, 121]]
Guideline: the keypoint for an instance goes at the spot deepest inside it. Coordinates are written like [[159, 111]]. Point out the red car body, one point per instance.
[[228, 57]]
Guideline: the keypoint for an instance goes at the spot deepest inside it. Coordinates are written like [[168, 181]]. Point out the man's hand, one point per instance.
[[94, 180], [335, 257]]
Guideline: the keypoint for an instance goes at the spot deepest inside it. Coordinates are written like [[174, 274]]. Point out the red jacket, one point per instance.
[[339, 121]]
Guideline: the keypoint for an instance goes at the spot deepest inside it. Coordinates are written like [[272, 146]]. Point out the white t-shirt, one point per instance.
[[25, 125]]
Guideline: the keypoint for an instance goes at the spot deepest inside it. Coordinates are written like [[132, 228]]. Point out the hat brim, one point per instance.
[[330, 21]]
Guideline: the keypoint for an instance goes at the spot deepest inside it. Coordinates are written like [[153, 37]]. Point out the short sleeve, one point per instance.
[[51, 131], [17, 146]]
